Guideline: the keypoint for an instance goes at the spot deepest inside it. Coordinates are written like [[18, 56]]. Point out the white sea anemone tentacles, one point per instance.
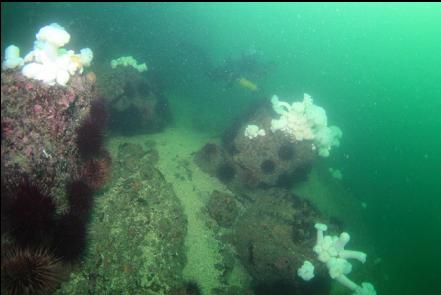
[[48, 61], [305, 121]]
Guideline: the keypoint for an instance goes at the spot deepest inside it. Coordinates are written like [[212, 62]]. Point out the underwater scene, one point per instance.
[[221, 148]]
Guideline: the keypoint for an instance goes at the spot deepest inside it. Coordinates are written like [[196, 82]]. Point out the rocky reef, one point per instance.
[[39, 131], [266, 228], [273, 237], [137, 234], [245, 163], [137, 105]]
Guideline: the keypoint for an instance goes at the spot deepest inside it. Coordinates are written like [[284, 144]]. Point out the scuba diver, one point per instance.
[[242, 71]]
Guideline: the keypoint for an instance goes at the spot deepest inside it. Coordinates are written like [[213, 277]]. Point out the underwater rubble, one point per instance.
[[137, 233], [137, 104], [39, 127], [78, 219], [272, 238], [269, 230], [266, 161], [53, 162]]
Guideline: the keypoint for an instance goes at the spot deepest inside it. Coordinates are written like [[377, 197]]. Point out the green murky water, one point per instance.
[[375, 68]]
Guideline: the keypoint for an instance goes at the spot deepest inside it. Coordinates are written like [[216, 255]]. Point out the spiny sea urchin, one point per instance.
[[95, 172], [29, 271], [99, 113], [90, 138], [30, 215], [70, 237], [80, 197]]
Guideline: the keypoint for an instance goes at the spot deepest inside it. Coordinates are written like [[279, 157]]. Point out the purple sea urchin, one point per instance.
[[30, 215], [29, 271], [80, 197], [99, 113], [96, 171], [70, 237], [90, 138]]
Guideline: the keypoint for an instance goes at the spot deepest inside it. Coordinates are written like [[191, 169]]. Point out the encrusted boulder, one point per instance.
[[138, 233], [136, 104], [273, 238], [39, 131], [222, 208], [268, 160]]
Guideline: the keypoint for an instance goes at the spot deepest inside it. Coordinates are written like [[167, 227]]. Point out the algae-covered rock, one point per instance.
[[246, 164], [137, 104], [222, 208], [273, 238], [39, 131], [136, 237]]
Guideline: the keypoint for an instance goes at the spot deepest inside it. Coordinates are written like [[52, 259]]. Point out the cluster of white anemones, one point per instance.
[[49, 62], [305, 121], [127, 61], [331, 251]]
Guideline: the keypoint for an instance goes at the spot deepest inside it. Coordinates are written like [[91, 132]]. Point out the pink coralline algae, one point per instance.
[[29, 86], [39, 124], [38, 108], [64, 102]]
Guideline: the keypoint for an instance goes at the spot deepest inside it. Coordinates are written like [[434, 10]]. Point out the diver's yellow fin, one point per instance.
[[245, 83]]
